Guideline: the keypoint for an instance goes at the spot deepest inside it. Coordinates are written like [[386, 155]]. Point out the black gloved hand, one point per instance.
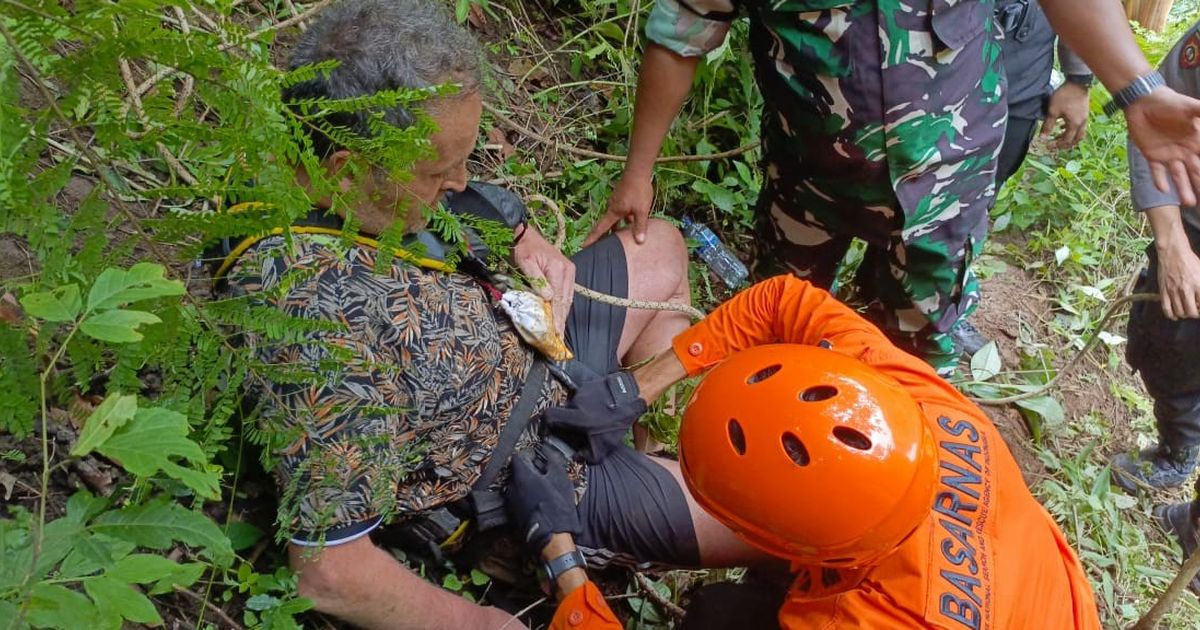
[[595, 420], [541, 499]]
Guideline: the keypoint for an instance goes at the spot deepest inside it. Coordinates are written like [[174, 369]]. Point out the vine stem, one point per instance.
[[39, 536]]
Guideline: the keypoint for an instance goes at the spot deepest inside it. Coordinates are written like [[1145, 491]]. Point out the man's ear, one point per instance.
[[335, 166]]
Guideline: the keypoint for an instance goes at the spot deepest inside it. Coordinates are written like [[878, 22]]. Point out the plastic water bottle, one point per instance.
[[712, 251]]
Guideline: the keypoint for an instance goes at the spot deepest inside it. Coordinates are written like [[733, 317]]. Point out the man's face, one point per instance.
[[457, 122]]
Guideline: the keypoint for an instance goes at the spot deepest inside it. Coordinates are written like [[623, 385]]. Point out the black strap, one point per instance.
[[487, 504]]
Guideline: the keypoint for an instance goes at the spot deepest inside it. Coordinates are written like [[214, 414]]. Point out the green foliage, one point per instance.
[[135, 132]]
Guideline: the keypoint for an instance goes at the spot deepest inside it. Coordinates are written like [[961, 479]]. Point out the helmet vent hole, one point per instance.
[[763, 374], [795, 449], [818, 393], [737, 438], [852, 438]]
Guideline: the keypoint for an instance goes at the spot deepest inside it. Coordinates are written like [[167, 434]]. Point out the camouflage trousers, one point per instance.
[[915, 288]]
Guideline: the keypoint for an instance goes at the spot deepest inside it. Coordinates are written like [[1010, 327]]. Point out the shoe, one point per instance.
[[1157, 467], [967, 337], [1176, 519]]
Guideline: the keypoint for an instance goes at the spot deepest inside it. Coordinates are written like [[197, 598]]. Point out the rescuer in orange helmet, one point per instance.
[[895, 499]]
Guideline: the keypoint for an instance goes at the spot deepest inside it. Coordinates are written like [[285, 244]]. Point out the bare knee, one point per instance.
[[325, 577], [668, 239], [663, 256]]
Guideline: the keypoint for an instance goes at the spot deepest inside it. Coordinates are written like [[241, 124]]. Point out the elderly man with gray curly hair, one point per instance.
[[424, 392]]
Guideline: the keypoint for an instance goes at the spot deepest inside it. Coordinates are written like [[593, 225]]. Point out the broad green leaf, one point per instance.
[[91, 554], [986, 363], [83, 505], [451, 582], [51, 605], [243, 535], [1039, 411], [152, 440], [185, 575], [58, 539], [160, 523], [108, 416], [117, 325], [8, 616], [118, 600], [59, 305], [143, 568], [142, 281]]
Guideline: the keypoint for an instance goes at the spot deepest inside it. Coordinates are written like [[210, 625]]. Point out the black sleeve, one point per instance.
[[488, 201]]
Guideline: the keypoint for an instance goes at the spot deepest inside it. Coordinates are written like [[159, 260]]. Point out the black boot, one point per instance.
[[968, 338], [1157, 467], [1179, 520]]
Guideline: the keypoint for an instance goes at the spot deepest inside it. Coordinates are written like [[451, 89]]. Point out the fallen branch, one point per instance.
[[653, 595], [168, 71], [539, 138], [1188, 571], [1066, 369], [172, 162]]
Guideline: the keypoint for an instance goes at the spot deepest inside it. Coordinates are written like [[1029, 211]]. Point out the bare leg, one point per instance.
[[658, 273], [719, 547]]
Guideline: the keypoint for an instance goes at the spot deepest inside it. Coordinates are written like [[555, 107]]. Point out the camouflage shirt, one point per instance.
[[411, 376], [887, 103]]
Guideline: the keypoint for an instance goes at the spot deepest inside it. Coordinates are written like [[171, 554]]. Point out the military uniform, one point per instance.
[[882, 120]]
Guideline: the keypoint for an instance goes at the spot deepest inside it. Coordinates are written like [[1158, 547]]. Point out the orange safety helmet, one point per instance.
[[809, 455]]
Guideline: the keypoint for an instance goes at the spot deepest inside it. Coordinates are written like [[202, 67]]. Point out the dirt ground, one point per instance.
[[1016, 312]]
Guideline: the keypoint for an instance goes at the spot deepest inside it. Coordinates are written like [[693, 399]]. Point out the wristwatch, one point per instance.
[[560, 565], [1140, 87], [1082, 80]]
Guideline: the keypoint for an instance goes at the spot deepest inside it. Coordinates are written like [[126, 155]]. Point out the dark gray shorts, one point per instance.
[[633, 511]]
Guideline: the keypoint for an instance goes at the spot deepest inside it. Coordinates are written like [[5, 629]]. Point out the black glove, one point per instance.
[[595, 420], [541, 499]]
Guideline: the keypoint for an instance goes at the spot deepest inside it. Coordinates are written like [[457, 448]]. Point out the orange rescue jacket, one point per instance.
[[988, 557]]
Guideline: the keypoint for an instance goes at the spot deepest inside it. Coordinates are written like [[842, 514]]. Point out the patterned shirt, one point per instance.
[[411, 375]]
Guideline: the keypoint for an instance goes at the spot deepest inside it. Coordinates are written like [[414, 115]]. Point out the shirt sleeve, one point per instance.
[[786, 309], [1182, 79], [584, 609], [690, 28], [1069, 62]]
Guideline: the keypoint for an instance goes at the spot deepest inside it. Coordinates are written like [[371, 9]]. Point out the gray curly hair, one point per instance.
[[383, 45]]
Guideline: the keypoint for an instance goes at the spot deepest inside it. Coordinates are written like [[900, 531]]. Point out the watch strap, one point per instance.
[[566, 562], [1082, 80], [1140, 87]]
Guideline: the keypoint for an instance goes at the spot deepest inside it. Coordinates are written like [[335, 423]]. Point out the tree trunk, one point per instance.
[[1151, 14]]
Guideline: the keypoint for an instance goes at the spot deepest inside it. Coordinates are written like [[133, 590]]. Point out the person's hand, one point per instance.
[[1179, 282], [551, 274], [597, 417], [1070, 104], [541, 499], [630, 201], [1165, 125]]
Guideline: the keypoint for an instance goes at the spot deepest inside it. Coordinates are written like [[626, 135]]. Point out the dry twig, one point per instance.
[[653, 595], [539, 138], [216, 610]]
